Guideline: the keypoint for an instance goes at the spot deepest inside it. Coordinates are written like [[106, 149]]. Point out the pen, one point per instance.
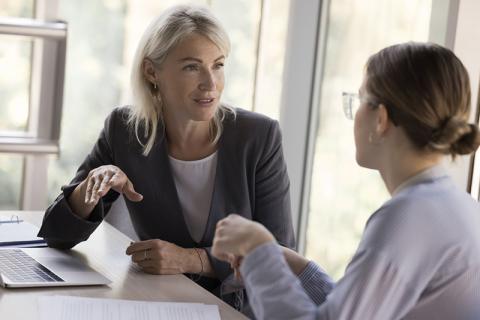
[[11, 221]]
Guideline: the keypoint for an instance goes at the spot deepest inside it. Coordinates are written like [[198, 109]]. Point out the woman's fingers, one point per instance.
[[141, 246], [95, 197], [92, 186], [238, 236], [120, 183], [217, 253], [236, 261], [130, 192], [88, 191], [145, 255], [116, 178], [105, 183], [104, 178], [155, 256], [220, 248], [146, 263]]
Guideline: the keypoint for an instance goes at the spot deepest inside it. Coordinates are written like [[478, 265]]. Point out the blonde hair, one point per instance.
[[161, 36]]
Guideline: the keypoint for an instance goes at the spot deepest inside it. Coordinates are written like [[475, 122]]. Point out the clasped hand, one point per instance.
[[236, 236]]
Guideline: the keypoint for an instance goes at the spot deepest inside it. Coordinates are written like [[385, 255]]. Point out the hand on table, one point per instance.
[[160, 257]]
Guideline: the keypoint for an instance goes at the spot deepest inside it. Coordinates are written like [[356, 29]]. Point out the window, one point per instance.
[[343, 195], [11, 167], [33, 56], [15, 57]]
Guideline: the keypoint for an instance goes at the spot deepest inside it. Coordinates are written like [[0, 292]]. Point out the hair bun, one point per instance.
[[455, 137]]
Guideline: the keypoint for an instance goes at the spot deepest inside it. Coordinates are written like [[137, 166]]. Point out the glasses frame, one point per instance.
[[351, 103]]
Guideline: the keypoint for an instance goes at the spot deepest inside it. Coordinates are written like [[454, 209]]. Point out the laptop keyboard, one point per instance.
[[20, 267]]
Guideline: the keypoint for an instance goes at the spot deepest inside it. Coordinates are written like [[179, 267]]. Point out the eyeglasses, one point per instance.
[[351, 104]]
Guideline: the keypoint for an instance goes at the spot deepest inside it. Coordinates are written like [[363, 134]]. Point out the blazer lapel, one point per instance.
[[220, 200], [172, 214], [217, 204]]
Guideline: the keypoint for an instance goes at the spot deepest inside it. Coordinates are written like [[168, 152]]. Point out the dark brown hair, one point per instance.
[[426, 90]]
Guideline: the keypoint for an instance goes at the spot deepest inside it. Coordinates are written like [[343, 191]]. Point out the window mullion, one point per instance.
[[45, 109]]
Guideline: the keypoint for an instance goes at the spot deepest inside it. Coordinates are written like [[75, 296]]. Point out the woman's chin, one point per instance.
[[203, 114], [363, 162]]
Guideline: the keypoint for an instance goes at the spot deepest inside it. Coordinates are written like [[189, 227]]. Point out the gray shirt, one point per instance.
[[419, 258]]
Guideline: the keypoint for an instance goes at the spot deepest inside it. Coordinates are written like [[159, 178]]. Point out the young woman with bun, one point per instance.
[[419, 256]]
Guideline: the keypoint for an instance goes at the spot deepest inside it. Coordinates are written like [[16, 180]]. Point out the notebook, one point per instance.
[[15, 232]]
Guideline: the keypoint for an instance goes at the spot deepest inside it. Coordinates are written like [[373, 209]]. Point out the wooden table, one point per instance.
[[105, 252]]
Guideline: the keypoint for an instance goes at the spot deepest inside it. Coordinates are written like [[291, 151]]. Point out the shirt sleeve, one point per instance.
[[316, 283], [372, 288]]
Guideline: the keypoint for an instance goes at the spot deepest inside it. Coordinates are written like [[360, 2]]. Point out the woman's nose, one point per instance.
[[208, 81]]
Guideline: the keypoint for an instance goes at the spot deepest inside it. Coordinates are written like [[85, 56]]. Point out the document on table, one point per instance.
[[79, 308], [16, 233]]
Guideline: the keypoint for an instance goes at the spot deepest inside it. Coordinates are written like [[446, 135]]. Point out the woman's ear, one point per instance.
[[149, 71], [383, 123]]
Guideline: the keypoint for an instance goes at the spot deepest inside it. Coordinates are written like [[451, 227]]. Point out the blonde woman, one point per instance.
[[180, 157], [419, 257]]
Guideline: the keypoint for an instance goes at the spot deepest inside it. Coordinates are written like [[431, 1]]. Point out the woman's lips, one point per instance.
[[205, 102]]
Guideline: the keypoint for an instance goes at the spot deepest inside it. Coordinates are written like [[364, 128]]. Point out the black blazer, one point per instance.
[[251, 180]]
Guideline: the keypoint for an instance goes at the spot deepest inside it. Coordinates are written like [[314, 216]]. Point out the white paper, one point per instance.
[[79, 308]]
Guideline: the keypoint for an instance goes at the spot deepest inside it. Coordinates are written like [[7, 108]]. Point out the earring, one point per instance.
[[155, 85], [370, 137]]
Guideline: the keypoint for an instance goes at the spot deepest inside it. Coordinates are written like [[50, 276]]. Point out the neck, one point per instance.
[[188, 140], [402, 166]]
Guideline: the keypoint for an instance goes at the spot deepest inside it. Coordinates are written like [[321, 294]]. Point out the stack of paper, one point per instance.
[[79, 308], [18, 233]]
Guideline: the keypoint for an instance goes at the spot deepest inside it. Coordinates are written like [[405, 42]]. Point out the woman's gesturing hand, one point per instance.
[[100, 180], [236, 236]]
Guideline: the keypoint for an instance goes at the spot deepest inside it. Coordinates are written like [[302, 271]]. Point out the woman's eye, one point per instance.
[[190, 67], [219, 65]]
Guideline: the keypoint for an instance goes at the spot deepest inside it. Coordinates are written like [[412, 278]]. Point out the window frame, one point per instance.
[[302, 74], [46, 93], [46, 100]]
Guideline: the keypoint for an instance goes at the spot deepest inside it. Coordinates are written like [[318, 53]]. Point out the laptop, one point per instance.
[[45, 267]]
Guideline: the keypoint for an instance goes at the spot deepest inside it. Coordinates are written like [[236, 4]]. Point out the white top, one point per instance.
[[194, 181]]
